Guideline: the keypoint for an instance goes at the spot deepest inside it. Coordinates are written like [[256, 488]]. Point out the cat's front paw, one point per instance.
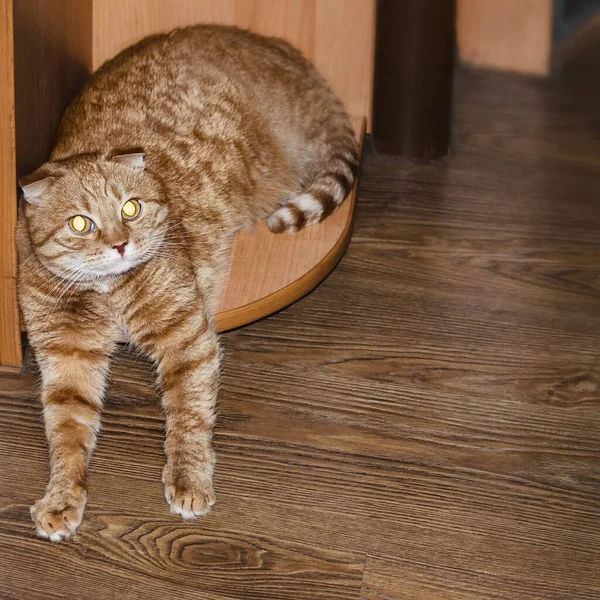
[[189, 494], [58, 514]]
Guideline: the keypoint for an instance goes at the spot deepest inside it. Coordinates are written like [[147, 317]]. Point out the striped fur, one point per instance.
[[322, 196], [209, 129]]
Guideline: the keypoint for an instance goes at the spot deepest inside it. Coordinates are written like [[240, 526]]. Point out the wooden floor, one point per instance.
[[425, 425]]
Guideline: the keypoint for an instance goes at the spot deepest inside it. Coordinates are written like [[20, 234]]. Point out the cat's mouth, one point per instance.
[[120, 259], [116, 262], [107, 263]]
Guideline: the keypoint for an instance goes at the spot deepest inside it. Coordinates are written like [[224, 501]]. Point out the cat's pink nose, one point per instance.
[[120, 248]]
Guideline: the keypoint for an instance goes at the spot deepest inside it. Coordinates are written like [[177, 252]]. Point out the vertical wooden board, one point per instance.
[[46, 58], [120, 23], [53, 58], [296, 23], [345, 36], [10, 336], [11, 358], [337, 35], [512, 35], [7, 142]]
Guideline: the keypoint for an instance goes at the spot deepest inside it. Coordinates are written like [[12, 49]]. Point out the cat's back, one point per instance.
[[166, 79], [239, 55]]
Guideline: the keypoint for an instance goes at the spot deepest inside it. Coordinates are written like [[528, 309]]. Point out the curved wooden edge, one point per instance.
[[274, 302], [263, 307]]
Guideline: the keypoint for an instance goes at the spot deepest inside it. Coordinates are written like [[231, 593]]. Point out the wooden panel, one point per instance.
[[295, 22], [10, 342], [10, 334], [514, 35], [52, 57], [345, 33], [270, 271], [334, 34], [7, 141], [52, 60]]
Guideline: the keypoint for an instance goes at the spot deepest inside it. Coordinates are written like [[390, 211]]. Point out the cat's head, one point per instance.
[[94, 216]]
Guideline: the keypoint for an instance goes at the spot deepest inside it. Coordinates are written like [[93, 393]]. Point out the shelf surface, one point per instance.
[[270, 271]]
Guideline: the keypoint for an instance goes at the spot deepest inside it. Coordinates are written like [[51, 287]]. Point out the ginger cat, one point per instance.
[[172, 146]]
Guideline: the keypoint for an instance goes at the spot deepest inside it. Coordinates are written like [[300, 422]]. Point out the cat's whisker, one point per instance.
[[60, 281], [73, 278], [175, 258], [29, 258], [181, 222], [58, 301]]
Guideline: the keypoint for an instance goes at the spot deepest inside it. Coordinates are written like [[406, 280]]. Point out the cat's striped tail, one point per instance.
[[323, 196]]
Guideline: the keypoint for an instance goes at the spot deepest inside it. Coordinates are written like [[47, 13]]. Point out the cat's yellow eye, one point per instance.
[[131, 209], [81, 225]]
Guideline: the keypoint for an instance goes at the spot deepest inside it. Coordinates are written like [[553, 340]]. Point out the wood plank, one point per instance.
[[148, 558], [332, 33], [8, 181], [344, 48], [512, 35], [125, 557], [392, 579], [10, 333]]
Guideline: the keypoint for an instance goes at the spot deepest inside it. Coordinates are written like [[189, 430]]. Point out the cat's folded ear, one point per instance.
[[136, 159], [37, 185]]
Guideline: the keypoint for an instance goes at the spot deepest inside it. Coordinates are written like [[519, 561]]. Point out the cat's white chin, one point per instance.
[[115, 264], [118, 267]]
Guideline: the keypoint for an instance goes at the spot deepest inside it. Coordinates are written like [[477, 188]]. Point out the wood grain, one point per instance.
[[269, 271], [337, 35], [10, 334], [512, 35], [391, 579], [424, 425]]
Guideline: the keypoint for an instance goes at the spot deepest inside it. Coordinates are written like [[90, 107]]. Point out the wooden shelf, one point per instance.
[[58, 44], [270, 271]]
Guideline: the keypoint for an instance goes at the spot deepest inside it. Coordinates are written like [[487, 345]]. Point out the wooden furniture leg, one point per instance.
[[412, 88]]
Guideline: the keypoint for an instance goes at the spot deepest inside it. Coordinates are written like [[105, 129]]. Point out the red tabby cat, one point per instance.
[[170, 148]]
